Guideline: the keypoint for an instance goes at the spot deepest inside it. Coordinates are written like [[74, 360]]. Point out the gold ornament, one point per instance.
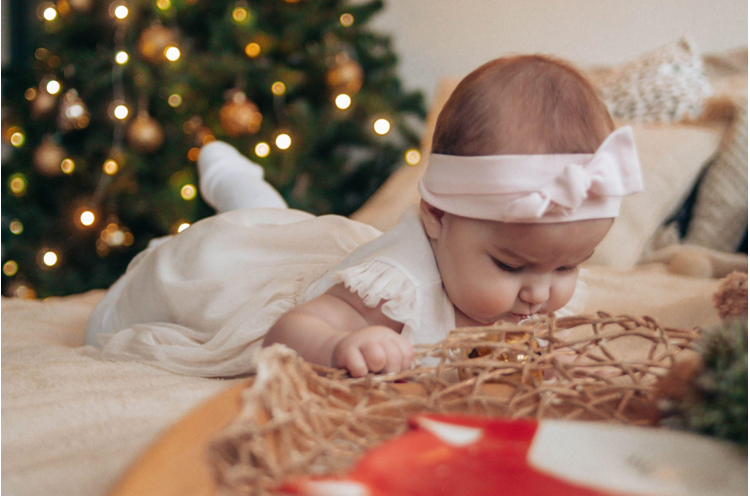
[[145, 134], [48, 157], [73, 112], [82, 5], [43, 105], [154, 40], [203, 136], [345, 76], [521, 338], [239, 116]]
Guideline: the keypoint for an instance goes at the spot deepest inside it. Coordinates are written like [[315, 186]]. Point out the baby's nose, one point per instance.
[[534, 294]]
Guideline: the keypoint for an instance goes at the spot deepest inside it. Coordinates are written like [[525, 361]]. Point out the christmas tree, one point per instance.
[[105, 125]]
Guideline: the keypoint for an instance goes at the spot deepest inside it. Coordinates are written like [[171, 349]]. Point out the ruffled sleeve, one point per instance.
[[375, 281]]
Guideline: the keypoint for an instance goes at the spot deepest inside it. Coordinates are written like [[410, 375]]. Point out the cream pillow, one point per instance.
[[672, 157]]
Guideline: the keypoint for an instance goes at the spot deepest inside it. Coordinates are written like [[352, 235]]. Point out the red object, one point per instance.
[[448, 455]]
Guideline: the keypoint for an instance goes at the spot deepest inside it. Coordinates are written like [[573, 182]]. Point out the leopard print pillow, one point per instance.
[[666, 85]]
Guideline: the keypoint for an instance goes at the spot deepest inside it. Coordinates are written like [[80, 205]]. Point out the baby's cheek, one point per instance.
[[494, 296], [562, 292]]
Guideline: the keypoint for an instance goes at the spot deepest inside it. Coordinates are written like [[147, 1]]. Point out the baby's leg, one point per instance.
[[230, 181]]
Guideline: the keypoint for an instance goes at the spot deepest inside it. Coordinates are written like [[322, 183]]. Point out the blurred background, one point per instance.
[[107, 103], [436, 38]]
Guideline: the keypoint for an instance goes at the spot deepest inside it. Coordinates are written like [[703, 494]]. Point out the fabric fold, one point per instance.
[[376, 281]]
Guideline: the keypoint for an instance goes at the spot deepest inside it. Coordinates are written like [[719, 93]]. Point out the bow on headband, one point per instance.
[[536, 188]]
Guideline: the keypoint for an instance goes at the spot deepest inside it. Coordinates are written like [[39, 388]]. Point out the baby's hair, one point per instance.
[[528, 104]]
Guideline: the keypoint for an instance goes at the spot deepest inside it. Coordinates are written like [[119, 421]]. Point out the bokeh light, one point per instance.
[[283, 141], [346, 19], [188, 192], [67, 165], [382, 126], [49, 258], [413, 157], [262, 149], [343, 101], [252, 50], [111, 167], [10, 268], [53, 87]]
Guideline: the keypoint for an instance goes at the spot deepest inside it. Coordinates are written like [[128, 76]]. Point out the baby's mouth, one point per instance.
[[520, 316]]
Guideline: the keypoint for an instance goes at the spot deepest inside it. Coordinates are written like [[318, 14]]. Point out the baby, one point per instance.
[[524, 180]]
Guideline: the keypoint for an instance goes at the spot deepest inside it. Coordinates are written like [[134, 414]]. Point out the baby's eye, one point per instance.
[[568, 269], [506, 267]]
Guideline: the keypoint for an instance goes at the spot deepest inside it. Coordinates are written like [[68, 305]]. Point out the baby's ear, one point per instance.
[[432, 218]]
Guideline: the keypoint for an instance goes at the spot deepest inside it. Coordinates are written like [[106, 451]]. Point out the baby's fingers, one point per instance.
[[407, 352], [393, 362], [352, 359], [375, 356]]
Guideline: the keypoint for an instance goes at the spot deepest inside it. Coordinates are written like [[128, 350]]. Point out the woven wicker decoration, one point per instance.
[[302, 419]]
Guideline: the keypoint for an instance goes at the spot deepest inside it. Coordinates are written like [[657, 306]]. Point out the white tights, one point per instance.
[[230, 181]]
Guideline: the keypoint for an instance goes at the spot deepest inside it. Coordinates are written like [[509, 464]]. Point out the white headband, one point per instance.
[[536, 188]]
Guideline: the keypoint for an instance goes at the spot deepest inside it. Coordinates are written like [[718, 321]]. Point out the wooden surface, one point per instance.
[[176, 464]]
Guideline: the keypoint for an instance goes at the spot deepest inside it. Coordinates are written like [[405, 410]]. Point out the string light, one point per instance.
[[67, 165], [174, 100], [111, 167], [10, 268], [12, 129], [17, 184], [343, 101], [24, 292], [252, 50], [74, 111], [262, 149], [53, 87], [172, 53], [283, 141], [50, 13], [278, 88], [413, 157], [182, 227], [121, 12], [63, 6], [121, 57], [121, 112], [346, 20], [49, 258], [163, 4], [188, 192], [113, 236], [240, 14], [87, 218], [382, 126], [30, 94], [17, 139], [16, 227]]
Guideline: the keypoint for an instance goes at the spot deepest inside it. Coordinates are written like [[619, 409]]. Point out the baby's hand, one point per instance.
[[375, 348]]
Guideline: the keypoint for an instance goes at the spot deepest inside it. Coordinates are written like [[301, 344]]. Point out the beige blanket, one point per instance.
[[73, 424]]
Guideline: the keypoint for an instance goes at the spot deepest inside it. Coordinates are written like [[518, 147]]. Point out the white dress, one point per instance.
[[201, 302]]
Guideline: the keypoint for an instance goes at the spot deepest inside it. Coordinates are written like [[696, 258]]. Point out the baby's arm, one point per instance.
[[337, 329]]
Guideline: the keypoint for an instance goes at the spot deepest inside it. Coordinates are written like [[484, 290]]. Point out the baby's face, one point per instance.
[[509, 271]]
